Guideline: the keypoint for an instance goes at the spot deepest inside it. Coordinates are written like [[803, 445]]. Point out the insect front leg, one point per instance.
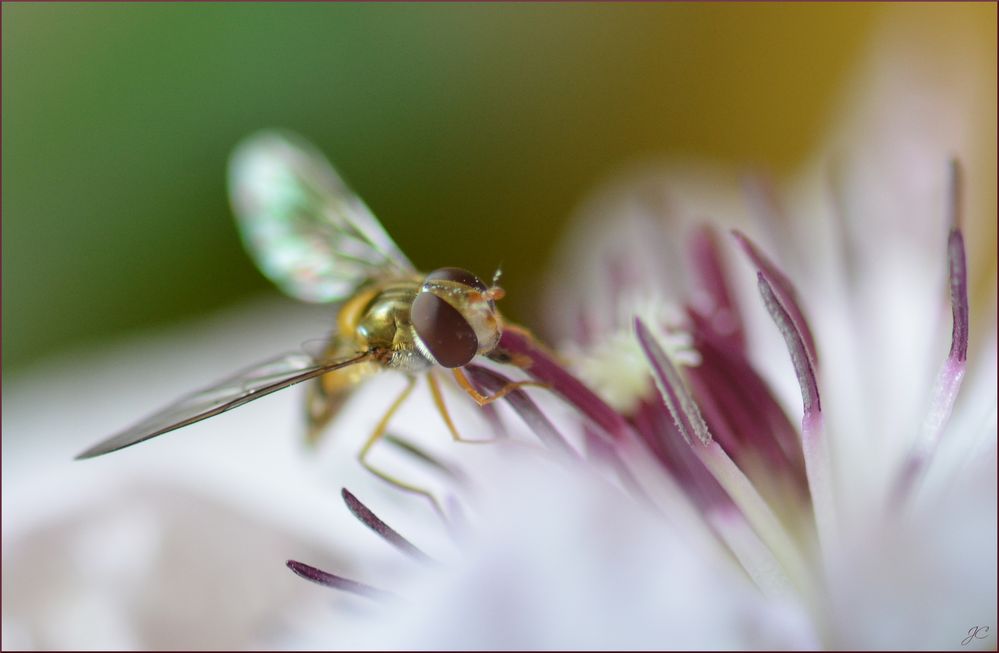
[[435, 391], [484, 400]]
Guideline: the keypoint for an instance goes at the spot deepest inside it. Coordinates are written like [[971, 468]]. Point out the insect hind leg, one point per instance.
[[320, 407], [378, 433]]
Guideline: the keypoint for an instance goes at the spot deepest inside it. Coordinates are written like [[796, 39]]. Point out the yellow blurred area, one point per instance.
[[471, 130]]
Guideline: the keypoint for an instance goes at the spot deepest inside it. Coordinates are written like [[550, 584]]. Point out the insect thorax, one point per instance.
[[384, 324]]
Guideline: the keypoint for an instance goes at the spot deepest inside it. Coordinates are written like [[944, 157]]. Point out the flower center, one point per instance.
[[614, 365]]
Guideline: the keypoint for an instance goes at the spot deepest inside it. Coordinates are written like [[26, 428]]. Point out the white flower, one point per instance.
[[690, 507], [869, 523]]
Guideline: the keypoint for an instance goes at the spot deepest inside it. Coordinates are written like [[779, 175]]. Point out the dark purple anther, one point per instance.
[[796, 346], [783, 291], [327, 579], [369, 519], [949, 380], [958, 295]]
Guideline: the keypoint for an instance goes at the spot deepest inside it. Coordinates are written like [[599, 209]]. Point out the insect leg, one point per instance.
[[482, 399], [320, 407], [377, 434], [435, 391], [327, 394]]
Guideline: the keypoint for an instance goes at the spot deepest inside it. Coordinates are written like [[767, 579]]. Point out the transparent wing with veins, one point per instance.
[[252, 383], [304, 227]]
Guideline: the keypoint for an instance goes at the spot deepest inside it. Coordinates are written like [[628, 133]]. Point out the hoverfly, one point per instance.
[[318, 242]]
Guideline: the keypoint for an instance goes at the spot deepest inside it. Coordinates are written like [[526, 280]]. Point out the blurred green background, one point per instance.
[[471, 130]]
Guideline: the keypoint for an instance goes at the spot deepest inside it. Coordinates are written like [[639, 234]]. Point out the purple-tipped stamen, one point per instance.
[[656, 426], [813, 442], [948, 382], [542, 365], [795, 341], [739, 406], [783, 290], [686, 414], [715, 303], [369, 519], [681, 405], [327, 579], [492, 382], [657, 429], [958, 296]]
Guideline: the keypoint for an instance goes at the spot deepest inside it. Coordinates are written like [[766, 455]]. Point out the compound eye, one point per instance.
[[461, 276], [445, 332]]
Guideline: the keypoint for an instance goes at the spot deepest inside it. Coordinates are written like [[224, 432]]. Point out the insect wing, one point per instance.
[[306, 230], [250, 384]]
